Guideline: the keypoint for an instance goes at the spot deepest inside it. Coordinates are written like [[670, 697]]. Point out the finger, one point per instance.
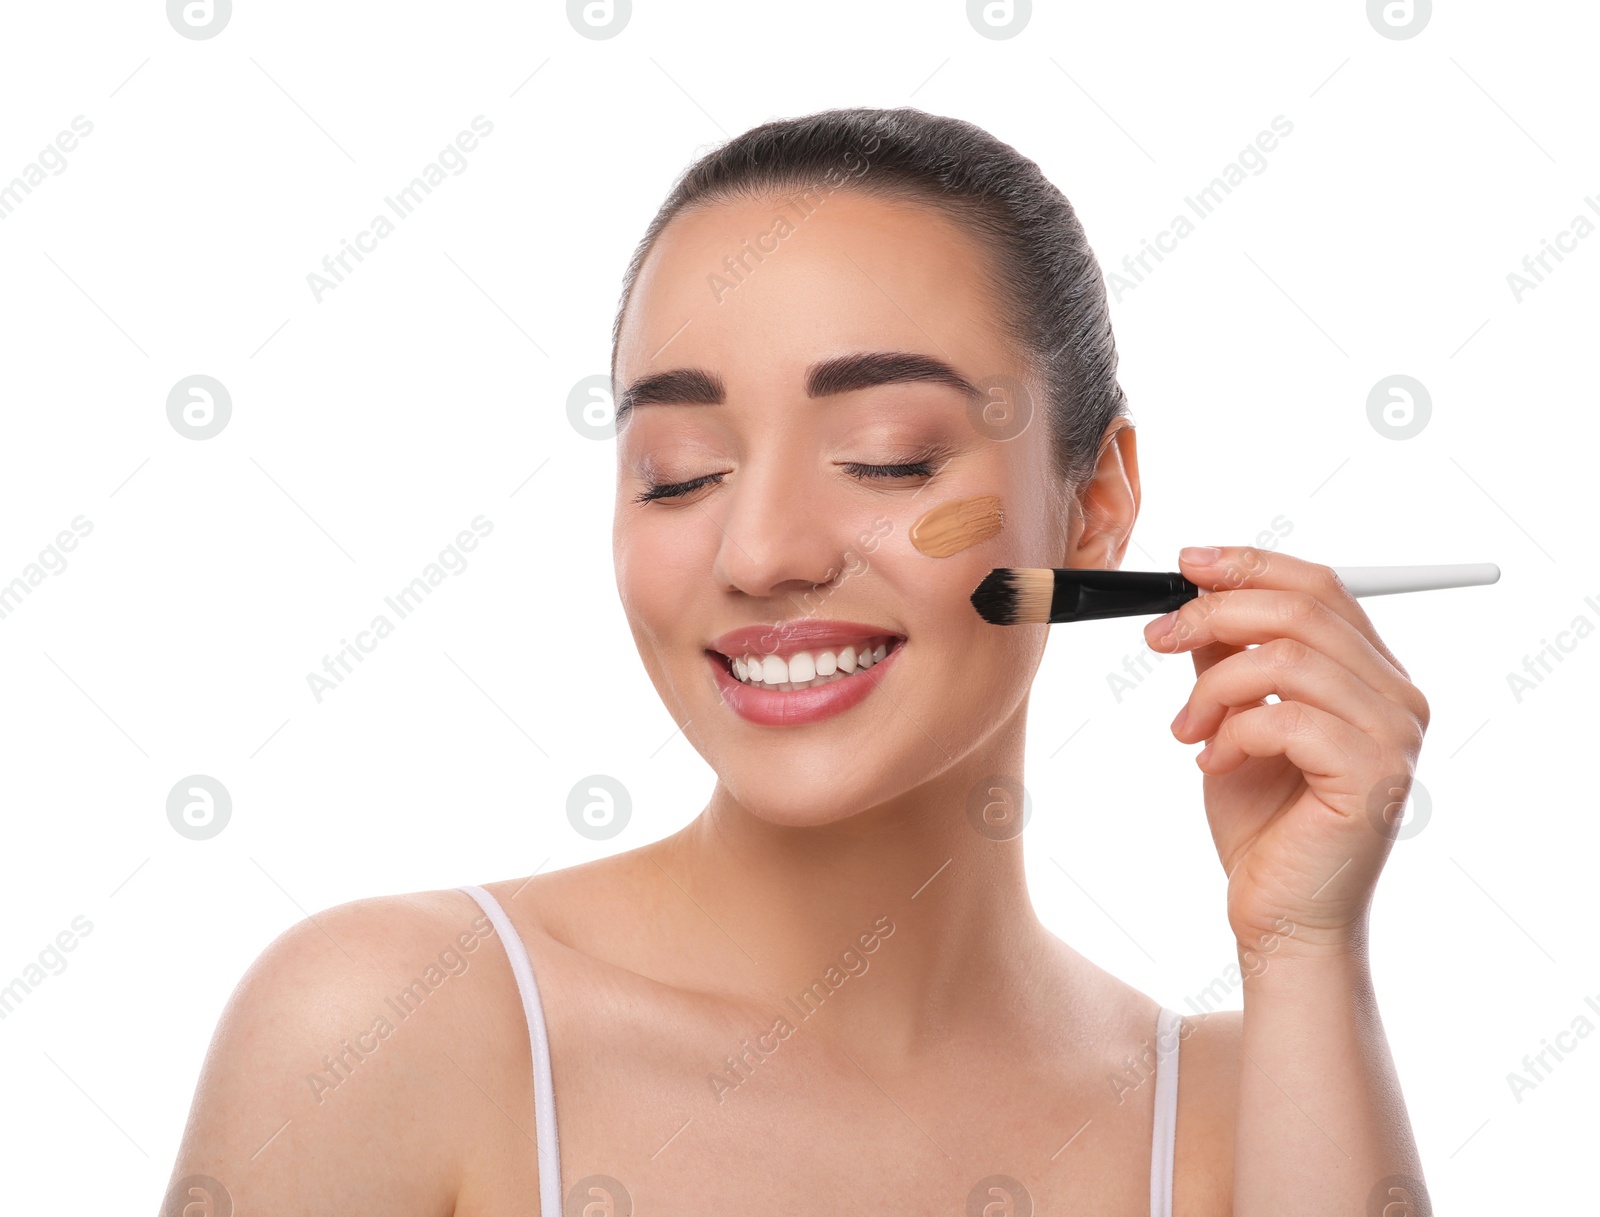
[[1205, 658], [1319, 744], [1246, 616], [1292, 671], [1247, 566]]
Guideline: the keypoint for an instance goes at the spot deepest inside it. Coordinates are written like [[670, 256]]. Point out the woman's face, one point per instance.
[[785, 532]]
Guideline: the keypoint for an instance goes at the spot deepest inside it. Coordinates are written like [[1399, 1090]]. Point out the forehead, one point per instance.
[[779, 281]]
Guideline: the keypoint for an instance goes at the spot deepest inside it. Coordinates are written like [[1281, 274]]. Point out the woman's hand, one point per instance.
[[1304, 794]]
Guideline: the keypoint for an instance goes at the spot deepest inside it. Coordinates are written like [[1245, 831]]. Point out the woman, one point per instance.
[[830, 990]]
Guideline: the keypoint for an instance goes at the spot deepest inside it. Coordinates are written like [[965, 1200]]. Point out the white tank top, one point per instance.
[[544, 1100]]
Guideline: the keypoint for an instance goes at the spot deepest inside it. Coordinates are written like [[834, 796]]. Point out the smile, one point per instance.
[[809, 669], [805, 686]]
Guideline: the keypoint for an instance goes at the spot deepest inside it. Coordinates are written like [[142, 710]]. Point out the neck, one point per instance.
[[895, 927]]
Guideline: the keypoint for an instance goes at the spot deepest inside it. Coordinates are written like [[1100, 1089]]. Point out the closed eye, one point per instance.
[[857, 470], [915, 469], [674, 490]]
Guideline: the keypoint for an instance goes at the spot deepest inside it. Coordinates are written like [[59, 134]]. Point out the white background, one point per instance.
[[431, 386]]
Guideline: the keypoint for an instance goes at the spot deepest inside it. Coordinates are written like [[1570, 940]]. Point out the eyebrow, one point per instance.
[[842, 374]]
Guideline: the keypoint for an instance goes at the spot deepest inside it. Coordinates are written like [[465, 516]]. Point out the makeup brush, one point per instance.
[[1045, 595]]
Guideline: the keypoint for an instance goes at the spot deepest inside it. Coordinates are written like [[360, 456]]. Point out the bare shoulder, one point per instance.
[[564, 906], [1209, 1057], [360, 1060]]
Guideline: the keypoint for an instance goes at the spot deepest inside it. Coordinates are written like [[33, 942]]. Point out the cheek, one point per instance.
[[934, 595], [663, 573], [994, 664], [656, 575], [956, 525]]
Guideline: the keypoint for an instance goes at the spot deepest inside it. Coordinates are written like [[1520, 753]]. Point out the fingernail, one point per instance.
[[1199, 555], [1177, 723], [1162, 626]]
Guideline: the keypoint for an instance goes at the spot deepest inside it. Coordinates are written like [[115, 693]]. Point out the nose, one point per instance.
[[779, 533]]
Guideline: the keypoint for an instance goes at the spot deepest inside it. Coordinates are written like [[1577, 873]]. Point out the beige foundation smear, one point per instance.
[[959, 524]]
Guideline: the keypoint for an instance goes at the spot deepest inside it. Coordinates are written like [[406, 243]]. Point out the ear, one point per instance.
[[1107, 506]]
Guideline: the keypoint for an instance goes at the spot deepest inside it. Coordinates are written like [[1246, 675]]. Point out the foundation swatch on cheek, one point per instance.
[[959, 524]]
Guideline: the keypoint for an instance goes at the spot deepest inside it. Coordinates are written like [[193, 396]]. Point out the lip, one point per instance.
[[800, 635], [799, 707]]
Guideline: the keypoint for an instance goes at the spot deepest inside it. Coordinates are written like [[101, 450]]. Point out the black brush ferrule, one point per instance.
[[1089, 593]]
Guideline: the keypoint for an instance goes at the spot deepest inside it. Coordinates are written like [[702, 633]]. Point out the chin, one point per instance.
[[769, 792]]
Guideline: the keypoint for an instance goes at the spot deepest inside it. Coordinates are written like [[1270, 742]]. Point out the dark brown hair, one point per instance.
[[1052, 297]]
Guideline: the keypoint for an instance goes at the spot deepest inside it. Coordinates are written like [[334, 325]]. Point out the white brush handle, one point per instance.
[[1386, 580]]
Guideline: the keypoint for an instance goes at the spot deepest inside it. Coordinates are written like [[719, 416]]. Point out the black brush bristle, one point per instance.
[[996, 597]]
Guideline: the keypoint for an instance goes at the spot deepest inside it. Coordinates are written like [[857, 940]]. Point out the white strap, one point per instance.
[[1164, 1137], [544, 1101]]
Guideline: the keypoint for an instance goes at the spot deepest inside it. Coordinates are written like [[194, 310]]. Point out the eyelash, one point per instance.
[[857, 470]]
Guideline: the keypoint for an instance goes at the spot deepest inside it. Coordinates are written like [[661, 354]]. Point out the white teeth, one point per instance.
[[807, 669]]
